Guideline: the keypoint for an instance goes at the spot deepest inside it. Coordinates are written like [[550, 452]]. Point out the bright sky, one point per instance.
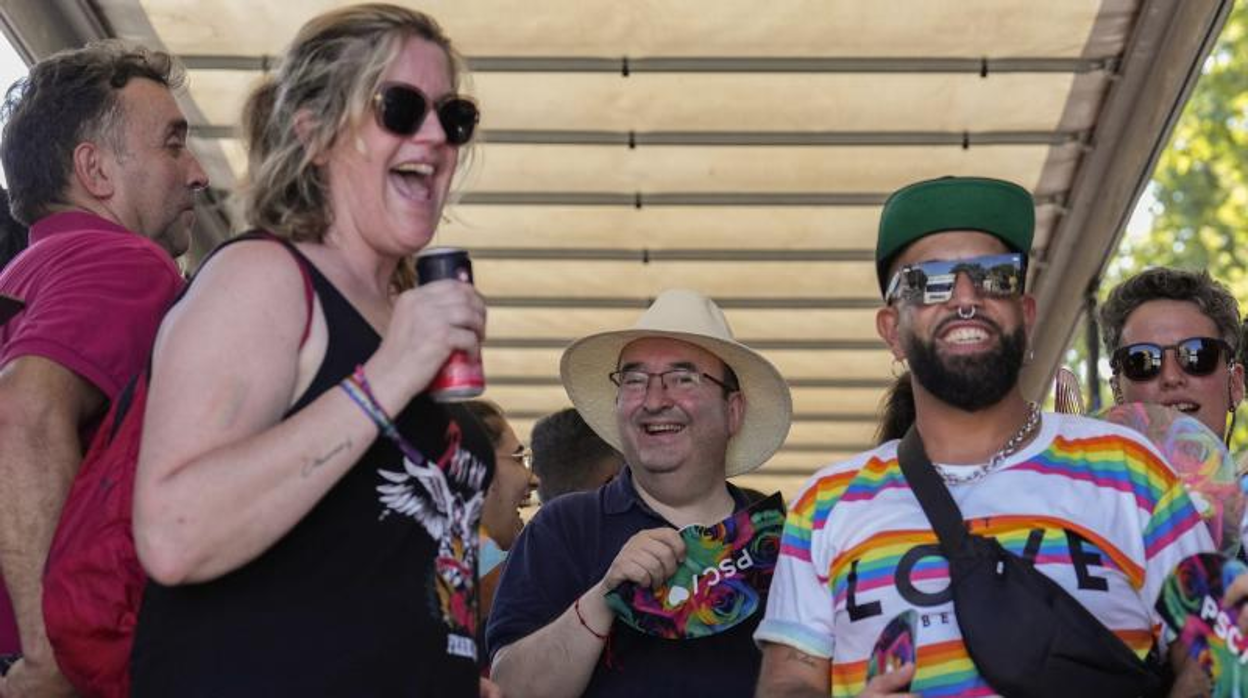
[[11, 68]]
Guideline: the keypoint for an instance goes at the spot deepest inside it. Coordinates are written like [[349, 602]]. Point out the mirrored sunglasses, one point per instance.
[[1197, 356], [401, 110], [994, 276]]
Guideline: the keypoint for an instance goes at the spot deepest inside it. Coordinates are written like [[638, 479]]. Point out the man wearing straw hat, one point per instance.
[[1091, 506], [688, 407]]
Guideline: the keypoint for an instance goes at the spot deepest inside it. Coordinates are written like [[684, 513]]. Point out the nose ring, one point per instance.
[[964, 313]]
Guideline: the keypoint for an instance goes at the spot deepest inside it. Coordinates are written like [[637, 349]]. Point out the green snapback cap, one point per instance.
[[992, 206]]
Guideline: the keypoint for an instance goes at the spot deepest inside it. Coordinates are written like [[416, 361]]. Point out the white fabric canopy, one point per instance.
[[739, 148]]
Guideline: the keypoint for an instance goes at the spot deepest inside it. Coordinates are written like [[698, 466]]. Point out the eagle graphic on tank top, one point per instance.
[[446, 497]]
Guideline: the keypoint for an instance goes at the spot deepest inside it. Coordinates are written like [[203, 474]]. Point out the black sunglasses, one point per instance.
[[401, 109], [1197, 356]]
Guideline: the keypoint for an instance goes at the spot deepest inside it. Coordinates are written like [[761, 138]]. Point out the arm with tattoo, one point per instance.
[[790, 673]]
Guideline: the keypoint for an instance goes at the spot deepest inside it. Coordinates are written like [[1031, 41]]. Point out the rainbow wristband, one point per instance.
[[356, 386]]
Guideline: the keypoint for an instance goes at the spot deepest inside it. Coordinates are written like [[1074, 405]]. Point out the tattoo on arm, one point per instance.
[[311, 464], [803, 658]]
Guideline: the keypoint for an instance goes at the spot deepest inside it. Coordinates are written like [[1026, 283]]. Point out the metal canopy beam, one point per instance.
[[40, 28], [1159, 69], [672, 255], [641, 200], [633, 139], [723, 64], [868, 383], [764, 344], [725, 303]]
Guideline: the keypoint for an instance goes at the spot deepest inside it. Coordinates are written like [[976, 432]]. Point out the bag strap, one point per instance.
[[933, 496]]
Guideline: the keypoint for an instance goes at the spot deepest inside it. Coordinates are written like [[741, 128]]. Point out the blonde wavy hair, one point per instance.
[[330, 71]]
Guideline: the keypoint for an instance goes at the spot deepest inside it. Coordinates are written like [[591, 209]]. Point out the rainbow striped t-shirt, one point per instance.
[[1092, 504]]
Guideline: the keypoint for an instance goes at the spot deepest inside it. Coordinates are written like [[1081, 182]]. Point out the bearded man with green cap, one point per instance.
[[687, 406], [1090, 505]]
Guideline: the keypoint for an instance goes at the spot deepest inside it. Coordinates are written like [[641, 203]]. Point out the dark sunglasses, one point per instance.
[[994, 276], [401, 109], [1197, 356]]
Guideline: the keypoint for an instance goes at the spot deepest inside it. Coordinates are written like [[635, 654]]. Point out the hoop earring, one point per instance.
[[965, 315], [898, 368]]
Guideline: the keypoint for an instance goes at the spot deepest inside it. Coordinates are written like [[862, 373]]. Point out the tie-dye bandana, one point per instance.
[[721, 583], [1191, 606]]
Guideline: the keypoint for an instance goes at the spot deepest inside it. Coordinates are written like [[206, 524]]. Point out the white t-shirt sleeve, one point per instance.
[[800, 607]]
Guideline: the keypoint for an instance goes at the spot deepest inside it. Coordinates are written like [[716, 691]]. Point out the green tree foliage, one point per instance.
[[1201, 182], [1200, 188]]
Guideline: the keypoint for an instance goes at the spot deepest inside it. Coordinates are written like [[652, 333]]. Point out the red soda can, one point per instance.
[[461, 376]]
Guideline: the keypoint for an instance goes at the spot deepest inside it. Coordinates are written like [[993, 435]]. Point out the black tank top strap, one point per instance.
[[300, 261]]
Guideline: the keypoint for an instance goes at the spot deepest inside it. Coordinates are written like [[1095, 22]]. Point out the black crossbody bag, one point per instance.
[[1026, 635]]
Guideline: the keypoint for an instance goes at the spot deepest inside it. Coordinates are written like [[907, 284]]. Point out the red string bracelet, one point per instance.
[[606, 638]]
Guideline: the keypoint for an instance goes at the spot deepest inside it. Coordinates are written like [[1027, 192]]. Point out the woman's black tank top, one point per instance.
[[373, 593]]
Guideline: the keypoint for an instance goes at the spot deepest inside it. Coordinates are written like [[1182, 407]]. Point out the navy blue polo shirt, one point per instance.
[[566, 549]]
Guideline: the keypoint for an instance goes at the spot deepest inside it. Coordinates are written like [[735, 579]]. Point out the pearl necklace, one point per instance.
[[966, 474]]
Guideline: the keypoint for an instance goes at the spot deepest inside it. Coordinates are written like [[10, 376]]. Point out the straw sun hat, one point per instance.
[[690, 317]]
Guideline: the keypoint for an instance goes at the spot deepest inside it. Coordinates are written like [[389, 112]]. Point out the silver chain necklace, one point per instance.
[[979, 472]]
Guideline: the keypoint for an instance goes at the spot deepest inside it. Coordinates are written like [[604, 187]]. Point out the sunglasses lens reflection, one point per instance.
[[994, 276], [1141, 362], [1198, 356], [459, 120]]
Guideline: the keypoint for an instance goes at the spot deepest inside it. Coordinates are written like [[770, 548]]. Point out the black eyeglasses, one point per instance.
[[401, 109], [1197, 356], [994, 276], [678, 381]]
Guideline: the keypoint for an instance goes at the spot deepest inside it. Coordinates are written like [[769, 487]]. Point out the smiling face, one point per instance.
[[662, 431], [1208, 398], [155, 174], [972, 362], [390, 189], [508, 491]]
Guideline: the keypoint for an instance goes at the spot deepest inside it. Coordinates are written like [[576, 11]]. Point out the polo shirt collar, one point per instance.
[[71, 222], [620, 495]]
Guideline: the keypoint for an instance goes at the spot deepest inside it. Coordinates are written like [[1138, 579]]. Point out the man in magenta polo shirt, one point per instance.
[[95, 149]]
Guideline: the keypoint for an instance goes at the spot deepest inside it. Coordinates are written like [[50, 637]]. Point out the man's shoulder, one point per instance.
[[1089, 434], [98, 253], [880, 457], [1101, 454], [108, 244], [872, 470], [567, 515]]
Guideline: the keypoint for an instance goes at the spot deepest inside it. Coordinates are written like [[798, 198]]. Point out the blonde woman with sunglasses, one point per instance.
[[308, 515]]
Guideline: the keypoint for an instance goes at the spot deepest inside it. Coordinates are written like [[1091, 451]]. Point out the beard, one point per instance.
[[969, 383]]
